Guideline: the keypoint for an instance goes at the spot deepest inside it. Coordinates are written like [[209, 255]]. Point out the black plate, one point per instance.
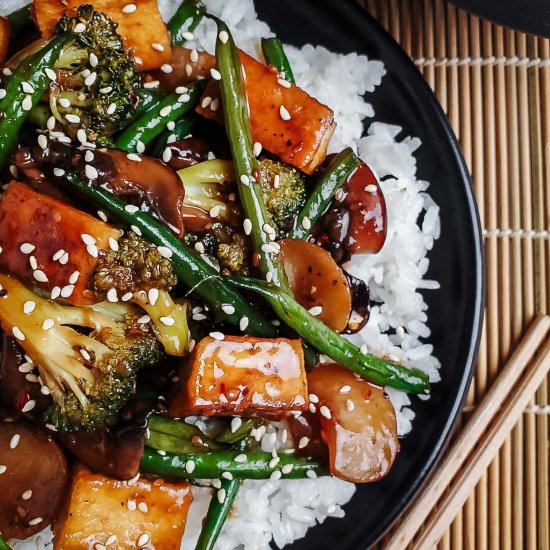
[[455, 312]]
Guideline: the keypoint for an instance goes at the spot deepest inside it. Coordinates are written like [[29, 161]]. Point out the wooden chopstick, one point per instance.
[[478, 443]]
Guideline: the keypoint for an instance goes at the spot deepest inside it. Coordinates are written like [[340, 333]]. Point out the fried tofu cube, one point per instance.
[[242, 375], [286, 120], [122, 515], [49, 243], [139, 29]]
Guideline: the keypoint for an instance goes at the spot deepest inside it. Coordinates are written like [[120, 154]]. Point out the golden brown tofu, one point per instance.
[[4, 38], [120, 515], [47, 241], [242, 375], [286, 120], [139, 29]]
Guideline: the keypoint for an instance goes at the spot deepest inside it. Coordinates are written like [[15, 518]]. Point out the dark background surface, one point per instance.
[[456, 261], [531, 16]]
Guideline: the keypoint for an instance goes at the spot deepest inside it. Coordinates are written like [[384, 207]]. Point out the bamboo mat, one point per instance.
[[494, 85]]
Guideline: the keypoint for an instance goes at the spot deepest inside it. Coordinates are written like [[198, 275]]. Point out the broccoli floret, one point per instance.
[[284, 192], [234, 256], [90, 376], [139, 273], [105, 102]]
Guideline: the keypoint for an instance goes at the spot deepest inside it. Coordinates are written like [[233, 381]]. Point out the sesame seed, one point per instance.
[[127, 297], [143, 539], [247, 226], [27, 248], [168, 321], [129, 8], [236, 423], [144, 319], [50, 73], [243, 323], [215, 211], [35, 521], [167, 155], [153, 296], [275, 475], [131, 505], [217, 336], [111, 540], [134, 157], [14, 441], [85, 354], [40, 276], [257, 149], [27, 87], [106, 90], [31, 377], [87, 239], [181, 89], [188, 69], [221, 495], [2, 93], [48, 324], [74, 277], [363, 349], [131, 209], [312, 408], [158, 47], [190, 466], [111, 109], [224, 37], [283, 111], [287, 468], [315, 310], [140, 146], [142, 507], [26, 367], [170, 125], [199, 317], [167, 68], [102, 215], [311, 474], [199, 247], [136, 230], [112, 295], [274, 461], [227, 475], [345, 389], [165, 111], [303, 442], [64, 258], [194, 56], [91, 172], [6, 71], [81, 135], [371, 188], [350, 405], [74, 119], [306, 223], [28, 307], [188, 35], [33, 263], [133, 480], [79, 27], [325, 411], [228, 308], [240, 458], [27, 103], [113, 244], [284, 83], [164, 251], [313, 398], [50, 124], [28, 406], [269, 276], [245, 180], [44, 390], [59, 172], [3, 469], [92, 250], [215, 74]]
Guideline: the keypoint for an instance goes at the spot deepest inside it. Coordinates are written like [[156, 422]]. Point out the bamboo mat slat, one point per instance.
[[494, 85]]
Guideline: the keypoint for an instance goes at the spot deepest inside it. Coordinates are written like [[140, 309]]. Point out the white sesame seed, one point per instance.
[[74, 277], [215, 211], [181, 89], [31, 377], [221, 495], [312, 408], [313, 398], [102, 215], [131, 505], [27, 248], [240, 458], [275, 475], [129, 8], [28, 406], [6, 71], [64, 258], [350, 405], [140, 146], [79, 27], [284, 83], [199, 247], [134, 157], [158, 47], [168, 321], [325, 411], [35, 521], [170, 125], [190, 466], [64, 102], [167, 155], [194, 56], [283, 111], [85, 354], [199, 317], [48, 324], [59, 172], [153, 296], [112, 295], [28, 307], [188, 69], [142, 507], [224, 37], [92, 250], [227, 475], [215, 74], [167, 68], [73, 119], [44, 390], [136, 230], [50, 124], [14, 441], [216, 483], [228, 308], [257, 149], [33, 263], [269, 276], [236, 423], [243, 323], [87, 239], [165, 111], [363, 349], [111, 540], [144, 539], [274, 461], [50, 73], [311, 474], [245, 180], [247, 226], [315, 310], [91, 172], [3, 469], [144, 319], [371, 188], [113, 244], [131, 209], [2, 93], [287, 468], [217, 336], [26, 367], [111, 108], [303, 442], [306, 223], [27, 87], [127, 297], [345, 389], [27, 103], [164, 251], [42, 141], [40, 276]]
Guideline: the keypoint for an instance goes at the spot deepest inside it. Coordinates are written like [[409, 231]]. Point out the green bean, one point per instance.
[[255, 465], [4, 545], [153, 122], [186, 19], [274, 54], [229, 436], [17, 102], [182, 128], [19, 20], [332, 179], [192, 270]]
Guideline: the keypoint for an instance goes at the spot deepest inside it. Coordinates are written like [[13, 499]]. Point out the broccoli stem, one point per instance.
[[375, 369], [247, 168], [332, 179], [182, 129], [212, 465], [17, 104], [192, 270], [186, 19], [153, 122], [274, 54]]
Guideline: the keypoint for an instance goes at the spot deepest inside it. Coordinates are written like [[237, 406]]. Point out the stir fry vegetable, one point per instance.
[[274, 54], [185, 20]]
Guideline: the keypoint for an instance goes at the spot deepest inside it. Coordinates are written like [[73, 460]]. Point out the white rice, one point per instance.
[[283, 511]]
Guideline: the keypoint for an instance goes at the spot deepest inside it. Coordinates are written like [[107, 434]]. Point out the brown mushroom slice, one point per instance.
[[317, 282], [33, 481], [358, 423]]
